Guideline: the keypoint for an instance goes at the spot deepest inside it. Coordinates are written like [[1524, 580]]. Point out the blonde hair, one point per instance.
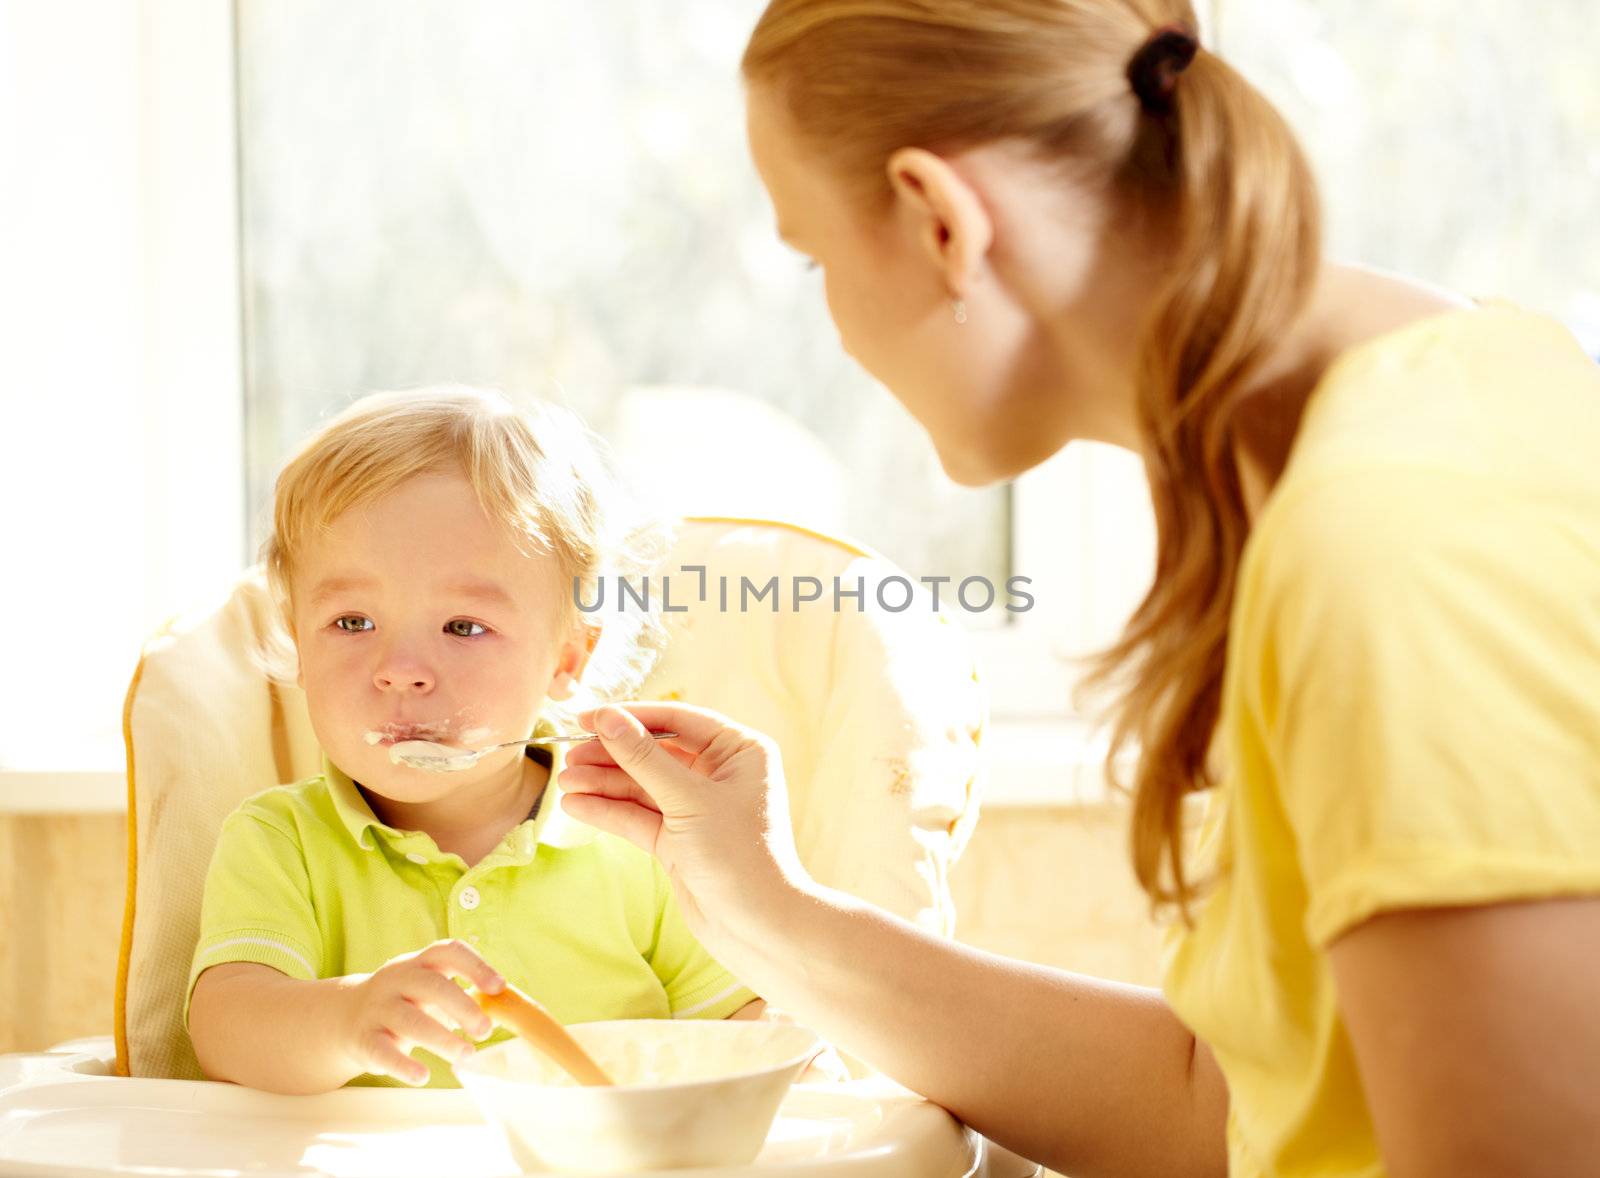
[[537, 471], [1218, 169]]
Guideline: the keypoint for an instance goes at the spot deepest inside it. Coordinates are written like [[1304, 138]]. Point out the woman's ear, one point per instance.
[[952, 224], [575, 654]]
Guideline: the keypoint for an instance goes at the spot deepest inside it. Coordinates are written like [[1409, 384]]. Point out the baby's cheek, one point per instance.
[[333, 714]]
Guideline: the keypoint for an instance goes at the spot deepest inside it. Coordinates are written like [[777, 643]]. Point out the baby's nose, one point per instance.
[[402, 679]]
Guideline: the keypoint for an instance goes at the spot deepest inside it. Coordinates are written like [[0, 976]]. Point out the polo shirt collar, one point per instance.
[[551, 826]]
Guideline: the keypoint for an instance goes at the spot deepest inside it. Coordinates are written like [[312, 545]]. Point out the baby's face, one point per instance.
[[417, 617]]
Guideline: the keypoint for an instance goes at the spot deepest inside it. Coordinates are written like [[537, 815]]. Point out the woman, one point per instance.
[[1373, 637]]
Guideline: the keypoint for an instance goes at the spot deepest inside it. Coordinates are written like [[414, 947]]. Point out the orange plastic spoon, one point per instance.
[[513, 1009]]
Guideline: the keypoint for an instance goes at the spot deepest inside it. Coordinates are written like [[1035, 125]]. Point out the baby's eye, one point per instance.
[[451, 627], [364, 623]]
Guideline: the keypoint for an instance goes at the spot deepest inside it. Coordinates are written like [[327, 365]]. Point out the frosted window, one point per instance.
[[557, 199]]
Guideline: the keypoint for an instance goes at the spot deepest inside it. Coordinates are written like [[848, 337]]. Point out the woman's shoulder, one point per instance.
[[1491, 391], [1466, 436]]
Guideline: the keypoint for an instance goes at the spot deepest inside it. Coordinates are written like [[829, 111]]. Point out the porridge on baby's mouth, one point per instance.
[[433, 756]]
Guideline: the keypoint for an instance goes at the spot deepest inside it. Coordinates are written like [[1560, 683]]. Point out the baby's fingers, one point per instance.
[[455, 958], [411, 1025], [442, 999], [383, 1054]]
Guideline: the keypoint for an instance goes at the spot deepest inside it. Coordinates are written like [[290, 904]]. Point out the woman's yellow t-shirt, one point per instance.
[[1411, 707]]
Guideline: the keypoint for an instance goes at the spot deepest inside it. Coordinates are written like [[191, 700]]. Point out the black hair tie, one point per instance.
[[1153, 72]]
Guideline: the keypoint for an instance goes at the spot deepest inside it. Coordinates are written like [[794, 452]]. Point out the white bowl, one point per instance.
[[687, 1093]]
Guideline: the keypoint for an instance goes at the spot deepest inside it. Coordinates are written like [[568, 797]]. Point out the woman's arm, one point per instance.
[[1090, 1077], [1087, 1076], [1477, 1033]]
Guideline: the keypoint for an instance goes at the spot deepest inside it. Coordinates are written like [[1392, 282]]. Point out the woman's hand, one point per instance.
[[411, 1001], [710, 804], [1083, 1075]]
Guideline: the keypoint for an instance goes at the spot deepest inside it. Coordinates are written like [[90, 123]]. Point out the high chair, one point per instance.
[[878, 715]]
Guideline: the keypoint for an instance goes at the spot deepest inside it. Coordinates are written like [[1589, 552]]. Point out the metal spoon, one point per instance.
[[444, 758]]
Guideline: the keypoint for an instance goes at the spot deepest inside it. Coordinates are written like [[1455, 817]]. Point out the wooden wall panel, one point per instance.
[[61, 894]]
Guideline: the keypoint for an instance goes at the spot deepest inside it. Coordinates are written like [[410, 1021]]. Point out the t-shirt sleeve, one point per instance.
[[697, 985], [1430, 688], [257, 904]]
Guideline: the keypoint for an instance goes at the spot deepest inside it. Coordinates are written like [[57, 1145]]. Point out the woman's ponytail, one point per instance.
[[1248, 250]]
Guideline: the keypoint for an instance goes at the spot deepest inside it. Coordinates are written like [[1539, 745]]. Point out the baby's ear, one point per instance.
[[574, 658]]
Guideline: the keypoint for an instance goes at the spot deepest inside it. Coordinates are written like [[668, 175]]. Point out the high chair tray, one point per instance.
[[80, 1125]]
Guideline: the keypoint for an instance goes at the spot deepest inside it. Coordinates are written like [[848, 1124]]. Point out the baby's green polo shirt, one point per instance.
[[307, 880]]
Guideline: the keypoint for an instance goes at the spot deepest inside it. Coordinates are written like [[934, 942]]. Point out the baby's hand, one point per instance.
[[412, 1002]]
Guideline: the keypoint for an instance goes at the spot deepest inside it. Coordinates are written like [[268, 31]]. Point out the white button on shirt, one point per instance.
[[416, 858], [468, 898]]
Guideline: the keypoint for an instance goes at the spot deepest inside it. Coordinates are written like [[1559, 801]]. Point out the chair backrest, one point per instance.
[[878, 715]]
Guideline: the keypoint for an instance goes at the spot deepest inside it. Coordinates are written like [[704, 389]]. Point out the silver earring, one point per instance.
[[960, 309]]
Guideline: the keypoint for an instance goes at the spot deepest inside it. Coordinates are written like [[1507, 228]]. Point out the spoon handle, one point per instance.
[[575, 736], [514, 1009]]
